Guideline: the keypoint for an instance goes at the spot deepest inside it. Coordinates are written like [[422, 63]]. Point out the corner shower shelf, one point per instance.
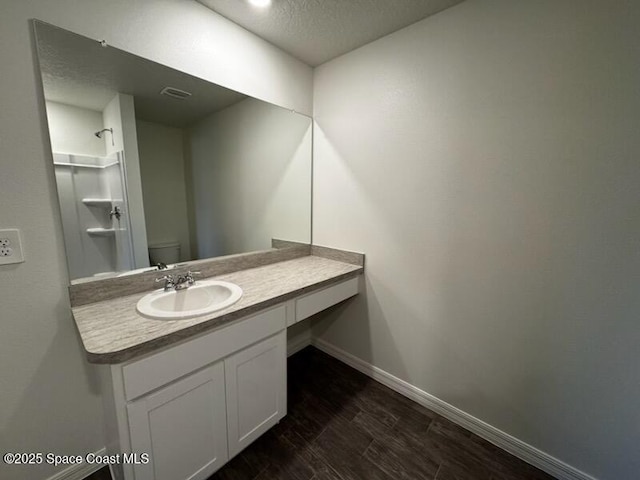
[[98, 202], [85, 165], [101, 232]]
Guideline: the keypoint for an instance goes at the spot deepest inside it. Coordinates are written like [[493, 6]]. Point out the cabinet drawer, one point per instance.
[[159, 369], [317, 301]]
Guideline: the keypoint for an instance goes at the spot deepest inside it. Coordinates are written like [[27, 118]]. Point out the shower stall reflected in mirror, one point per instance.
[[92, 192]]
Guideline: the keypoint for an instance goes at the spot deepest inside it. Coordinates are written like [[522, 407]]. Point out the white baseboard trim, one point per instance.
[[516, 447], [80, 471], [296, 344]]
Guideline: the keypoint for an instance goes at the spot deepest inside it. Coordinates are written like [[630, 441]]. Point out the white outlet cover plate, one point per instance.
[[12, 235]]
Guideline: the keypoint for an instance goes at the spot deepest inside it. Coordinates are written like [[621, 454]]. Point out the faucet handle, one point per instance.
[[168, 278], [189, 277], [169, 281]]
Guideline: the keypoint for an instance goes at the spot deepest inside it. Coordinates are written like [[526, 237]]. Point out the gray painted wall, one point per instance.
[[486, 160], [162, 168], [49, 400], [72, 130], [251, 175]]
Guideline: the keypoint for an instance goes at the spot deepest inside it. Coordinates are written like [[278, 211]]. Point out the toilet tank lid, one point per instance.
[[165, 245]]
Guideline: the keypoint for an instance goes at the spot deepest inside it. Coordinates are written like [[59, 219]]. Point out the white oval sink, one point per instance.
[[204, 297]]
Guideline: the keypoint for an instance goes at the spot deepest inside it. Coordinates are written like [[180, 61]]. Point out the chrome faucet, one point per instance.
[[178, 283]]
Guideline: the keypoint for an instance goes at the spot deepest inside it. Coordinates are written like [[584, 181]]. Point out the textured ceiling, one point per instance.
[[316, 31], [78, 71]]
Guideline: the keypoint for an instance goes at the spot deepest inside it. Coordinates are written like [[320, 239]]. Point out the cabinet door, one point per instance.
[[256, 379], [182, 427]]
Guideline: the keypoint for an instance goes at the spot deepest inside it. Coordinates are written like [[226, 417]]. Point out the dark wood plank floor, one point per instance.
[[102, 474], [341, 425]]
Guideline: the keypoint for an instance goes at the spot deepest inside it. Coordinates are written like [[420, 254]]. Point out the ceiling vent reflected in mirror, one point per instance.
[[175, 93]]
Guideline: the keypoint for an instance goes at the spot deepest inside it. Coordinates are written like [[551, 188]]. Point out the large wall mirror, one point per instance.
[[157, 167]]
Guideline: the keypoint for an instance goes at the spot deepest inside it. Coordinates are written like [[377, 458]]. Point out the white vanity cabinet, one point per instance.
[[193, 406]]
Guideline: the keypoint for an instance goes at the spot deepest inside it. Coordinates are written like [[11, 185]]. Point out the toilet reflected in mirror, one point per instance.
[[164, 253]]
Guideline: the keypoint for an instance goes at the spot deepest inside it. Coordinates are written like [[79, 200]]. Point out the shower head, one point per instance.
[[99, 133]]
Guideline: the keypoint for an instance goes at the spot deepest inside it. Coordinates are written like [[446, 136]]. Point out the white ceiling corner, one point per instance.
[[316, 31]]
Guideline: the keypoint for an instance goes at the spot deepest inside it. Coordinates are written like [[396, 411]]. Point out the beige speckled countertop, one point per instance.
[[113, 332]]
